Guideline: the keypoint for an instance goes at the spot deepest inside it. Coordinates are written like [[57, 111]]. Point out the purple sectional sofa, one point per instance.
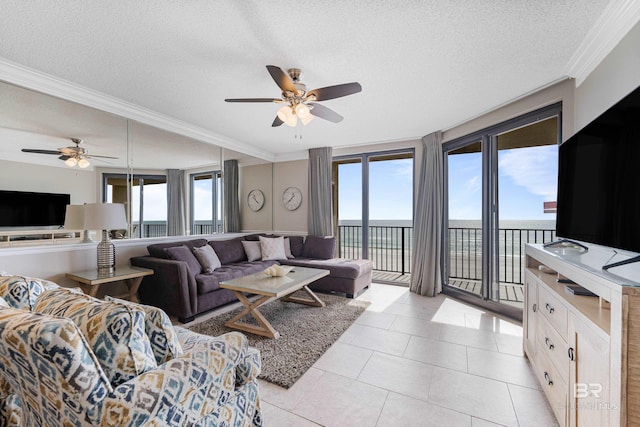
[[181, 288]]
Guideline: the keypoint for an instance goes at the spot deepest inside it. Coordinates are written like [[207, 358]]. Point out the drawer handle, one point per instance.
[[570, 352], [549, 344], [549, 308], [548, 378], [534, 308]]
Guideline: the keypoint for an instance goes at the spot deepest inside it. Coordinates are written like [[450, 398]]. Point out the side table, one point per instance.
[[90, 280]]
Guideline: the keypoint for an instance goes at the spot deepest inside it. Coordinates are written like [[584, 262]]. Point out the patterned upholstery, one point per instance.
[[158, 327], [115, 332], [21, 292], [57, 380]]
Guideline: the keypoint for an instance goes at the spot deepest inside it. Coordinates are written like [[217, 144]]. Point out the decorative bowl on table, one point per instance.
[[278, 270]]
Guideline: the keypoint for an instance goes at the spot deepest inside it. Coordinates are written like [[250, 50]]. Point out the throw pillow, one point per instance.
[[287, 248], [252, 249], [21, 292], [272, 248], [183, 253], [157, 325], [207, 257], [229, 251], [3, 303], [115, 332], [319, 247]]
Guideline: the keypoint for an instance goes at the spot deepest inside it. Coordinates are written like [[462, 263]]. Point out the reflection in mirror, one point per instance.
[[129, 162]]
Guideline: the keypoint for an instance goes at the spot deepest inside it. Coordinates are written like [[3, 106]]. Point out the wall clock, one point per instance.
[[292, 198], [255, 200]]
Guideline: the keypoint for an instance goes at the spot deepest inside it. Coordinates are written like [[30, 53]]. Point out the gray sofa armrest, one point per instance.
[[172, 287]]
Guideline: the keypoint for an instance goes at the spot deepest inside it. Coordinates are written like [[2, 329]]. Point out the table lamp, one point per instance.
[[105, 217], [74, 220]]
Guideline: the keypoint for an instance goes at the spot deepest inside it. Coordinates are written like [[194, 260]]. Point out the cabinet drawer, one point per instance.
[[551, 343], [553, 310], [554, 387]]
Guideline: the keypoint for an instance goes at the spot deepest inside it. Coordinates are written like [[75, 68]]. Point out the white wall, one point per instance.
[[615, 77], [48, 179]]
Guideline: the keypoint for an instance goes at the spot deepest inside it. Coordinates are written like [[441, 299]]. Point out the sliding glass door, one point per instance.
[[373, 203], [500, 191]]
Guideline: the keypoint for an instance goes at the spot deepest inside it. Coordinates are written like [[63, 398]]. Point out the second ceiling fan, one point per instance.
[[300, 103]]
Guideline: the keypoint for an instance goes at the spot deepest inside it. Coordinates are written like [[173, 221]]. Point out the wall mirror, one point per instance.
[[127, 162]]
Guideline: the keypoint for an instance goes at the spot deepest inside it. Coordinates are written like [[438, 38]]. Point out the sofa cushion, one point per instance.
[[229, 251], [158, 250], [339, 267], [272, 248], [287, 248], [297, 244], [210, 282], [157, 325], [207, 258], [252, 250], [115, 332], [319, 247], [183, 253], [21, 292]]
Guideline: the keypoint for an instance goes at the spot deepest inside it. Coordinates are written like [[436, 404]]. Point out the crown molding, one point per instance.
[[32, 79], [616, 21]]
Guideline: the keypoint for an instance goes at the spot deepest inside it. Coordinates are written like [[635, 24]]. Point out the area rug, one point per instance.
[[305, 334]]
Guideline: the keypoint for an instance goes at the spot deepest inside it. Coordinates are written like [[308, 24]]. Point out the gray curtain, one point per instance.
[[175, 203], [320, 200], [231, 197], [426, 274]]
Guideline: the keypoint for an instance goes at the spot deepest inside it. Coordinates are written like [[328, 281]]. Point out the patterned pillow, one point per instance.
[[162, 336], [3, 303], [272, 248], [115, 332], [21, 292]]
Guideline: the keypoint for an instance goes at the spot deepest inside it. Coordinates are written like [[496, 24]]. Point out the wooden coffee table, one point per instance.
[[90, 280], [271, 288]]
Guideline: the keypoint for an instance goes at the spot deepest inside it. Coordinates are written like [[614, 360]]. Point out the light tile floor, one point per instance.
[[415, 361]]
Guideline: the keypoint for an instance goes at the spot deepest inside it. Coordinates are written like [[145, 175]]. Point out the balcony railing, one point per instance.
[[159, 228], [390, 249]]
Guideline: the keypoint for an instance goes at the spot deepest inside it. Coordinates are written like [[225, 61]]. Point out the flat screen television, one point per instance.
[[599, 179], [27, 209]]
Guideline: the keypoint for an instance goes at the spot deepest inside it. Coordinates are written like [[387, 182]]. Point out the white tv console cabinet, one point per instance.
[[38, 237], [585, 350]]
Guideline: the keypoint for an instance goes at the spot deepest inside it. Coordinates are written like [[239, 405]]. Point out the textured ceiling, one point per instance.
[[423, 65]]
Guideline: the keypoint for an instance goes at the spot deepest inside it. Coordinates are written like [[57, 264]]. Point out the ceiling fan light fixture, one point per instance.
[[302, 111], [71, 162], [83, 163], [287, 115], [306, 120]]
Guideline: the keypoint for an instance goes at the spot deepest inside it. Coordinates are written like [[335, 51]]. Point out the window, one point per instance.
[[147, 211], [206, 202]]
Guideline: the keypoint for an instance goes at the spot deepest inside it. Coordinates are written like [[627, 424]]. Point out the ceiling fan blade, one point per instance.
[[276, 122], [323, 112], [253, 100], [93, 156], [281, 78], [64, 157], [31, 150], [337, 91]]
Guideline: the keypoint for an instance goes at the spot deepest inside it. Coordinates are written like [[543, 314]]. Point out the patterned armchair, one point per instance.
[[59, 375]]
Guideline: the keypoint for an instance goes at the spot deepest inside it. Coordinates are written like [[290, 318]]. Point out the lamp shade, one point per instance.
[[104, 216], [74, 217]]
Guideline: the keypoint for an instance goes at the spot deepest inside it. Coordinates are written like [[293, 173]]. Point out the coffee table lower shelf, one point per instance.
[[269, 289]]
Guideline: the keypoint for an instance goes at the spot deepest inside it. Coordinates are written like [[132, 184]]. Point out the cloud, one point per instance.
[[474, 184], [404, 169], [534, 168]]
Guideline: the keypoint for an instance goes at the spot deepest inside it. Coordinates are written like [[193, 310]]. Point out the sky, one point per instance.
[[390, 190], [527, 177]]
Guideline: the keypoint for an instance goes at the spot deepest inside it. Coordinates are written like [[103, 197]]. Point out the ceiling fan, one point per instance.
[[72, 156], [300, 103]]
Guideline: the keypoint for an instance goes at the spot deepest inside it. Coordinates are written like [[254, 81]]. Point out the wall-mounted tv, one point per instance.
[[27, 209], [599, 179]]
